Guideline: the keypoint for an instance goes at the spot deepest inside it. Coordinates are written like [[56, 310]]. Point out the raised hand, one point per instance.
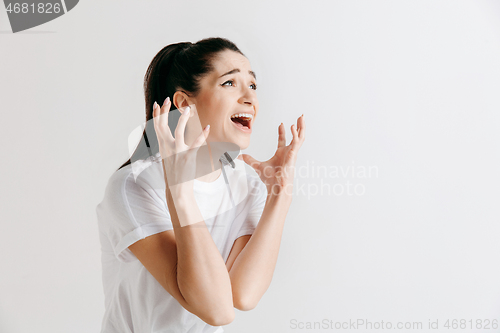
[[179, 159], [277, 173]]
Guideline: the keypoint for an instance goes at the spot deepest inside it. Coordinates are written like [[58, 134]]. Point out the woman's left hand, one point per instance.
[[277, 173]]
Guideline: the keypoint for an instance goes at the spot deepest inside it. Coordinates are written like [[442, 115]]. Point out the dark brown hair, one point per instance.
[[176, 67]]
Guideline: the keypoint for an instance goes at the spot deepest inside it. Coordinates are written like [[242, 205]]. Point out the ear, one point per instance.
[[181, 100]]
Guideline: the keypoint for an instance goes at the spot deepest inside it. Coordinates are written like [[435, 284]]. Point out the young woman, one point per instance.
[[182, 246]]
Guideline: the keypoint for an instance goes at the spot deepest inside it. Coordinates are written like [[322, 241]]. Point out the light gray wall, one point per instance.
[[409, 88]]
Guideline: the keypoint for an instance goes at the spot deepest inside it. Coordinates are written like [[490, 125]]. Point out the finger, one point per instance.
[[154, 112], [201, 138], [296, 142], [281, 136], [302, 127], [181, 127], [250, 161], [295, 135], [164, 113], [160, 116]]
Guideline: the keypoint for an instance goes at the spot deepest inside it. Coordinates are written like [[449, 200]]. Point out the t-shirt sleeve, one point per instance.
[[130, 212], [258, 201]]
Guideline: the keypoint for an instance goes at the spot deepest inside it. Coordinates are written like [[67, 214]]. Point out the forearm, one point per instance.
[[252, 271], [202, 276]]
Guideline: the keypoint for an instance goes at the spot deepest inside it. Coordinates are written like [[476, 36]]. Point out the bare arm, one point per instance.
[[187, 263], [202, 276], [252, 270]]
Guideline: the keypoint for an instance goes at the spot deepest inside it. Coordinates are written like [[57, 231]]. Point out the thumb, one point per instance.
[[250, 160]]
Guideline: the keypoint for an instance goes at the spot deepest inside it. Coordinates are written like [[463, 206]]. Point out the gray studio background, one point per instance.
[[408, 88]]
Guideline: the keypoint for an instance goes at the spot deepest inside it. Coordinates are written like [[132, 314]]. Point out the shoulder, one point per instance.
[[136, 179], [118, 181]]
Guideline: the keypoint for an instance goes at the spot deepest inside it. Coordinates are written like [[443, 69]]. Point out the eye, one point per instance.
[[232, 83], [228, 81]]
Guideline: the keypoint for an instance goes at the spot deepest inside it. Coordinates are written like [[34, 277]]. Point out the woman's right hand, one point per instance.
[[179, 160]]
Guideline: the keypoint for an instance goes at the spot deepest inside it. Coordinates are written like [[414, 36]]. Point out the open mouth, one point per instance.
[[242, 121]]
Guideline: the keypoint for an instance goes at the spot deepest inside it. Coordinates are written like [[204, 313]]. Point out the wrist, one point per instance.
[[184, 199], [279, 195], [181, 191], [181, 197], [186, 209]]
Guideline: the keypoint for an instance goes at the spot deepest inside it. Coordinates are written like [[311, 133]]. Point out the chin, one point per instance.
[[244, 146], [242, 143], [233, 143]]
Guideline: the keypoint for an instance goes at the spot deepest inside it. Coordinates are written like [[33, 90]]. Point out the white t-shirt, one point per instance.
[[134, 207]]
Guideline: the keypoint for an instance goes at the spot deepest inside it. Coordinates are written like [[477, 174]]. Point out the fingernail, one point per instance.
[[187, 109], [167, 100], [154, 105], [207, 127]]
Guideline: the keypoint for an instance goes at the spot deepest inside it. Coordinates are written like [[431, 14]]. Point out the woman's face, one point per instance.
[[228, 90]]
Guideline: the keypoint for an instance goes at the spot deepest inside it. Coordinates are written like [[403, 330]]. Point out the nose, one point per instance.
[[248, 97]]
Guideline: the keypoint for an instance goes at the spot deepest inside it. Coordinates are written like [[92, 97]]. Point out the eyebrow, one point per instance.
[[236, 70]]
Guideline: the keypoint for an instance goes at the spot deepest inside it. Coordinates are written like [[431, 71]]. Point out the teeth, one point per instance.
[[244, 115]]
